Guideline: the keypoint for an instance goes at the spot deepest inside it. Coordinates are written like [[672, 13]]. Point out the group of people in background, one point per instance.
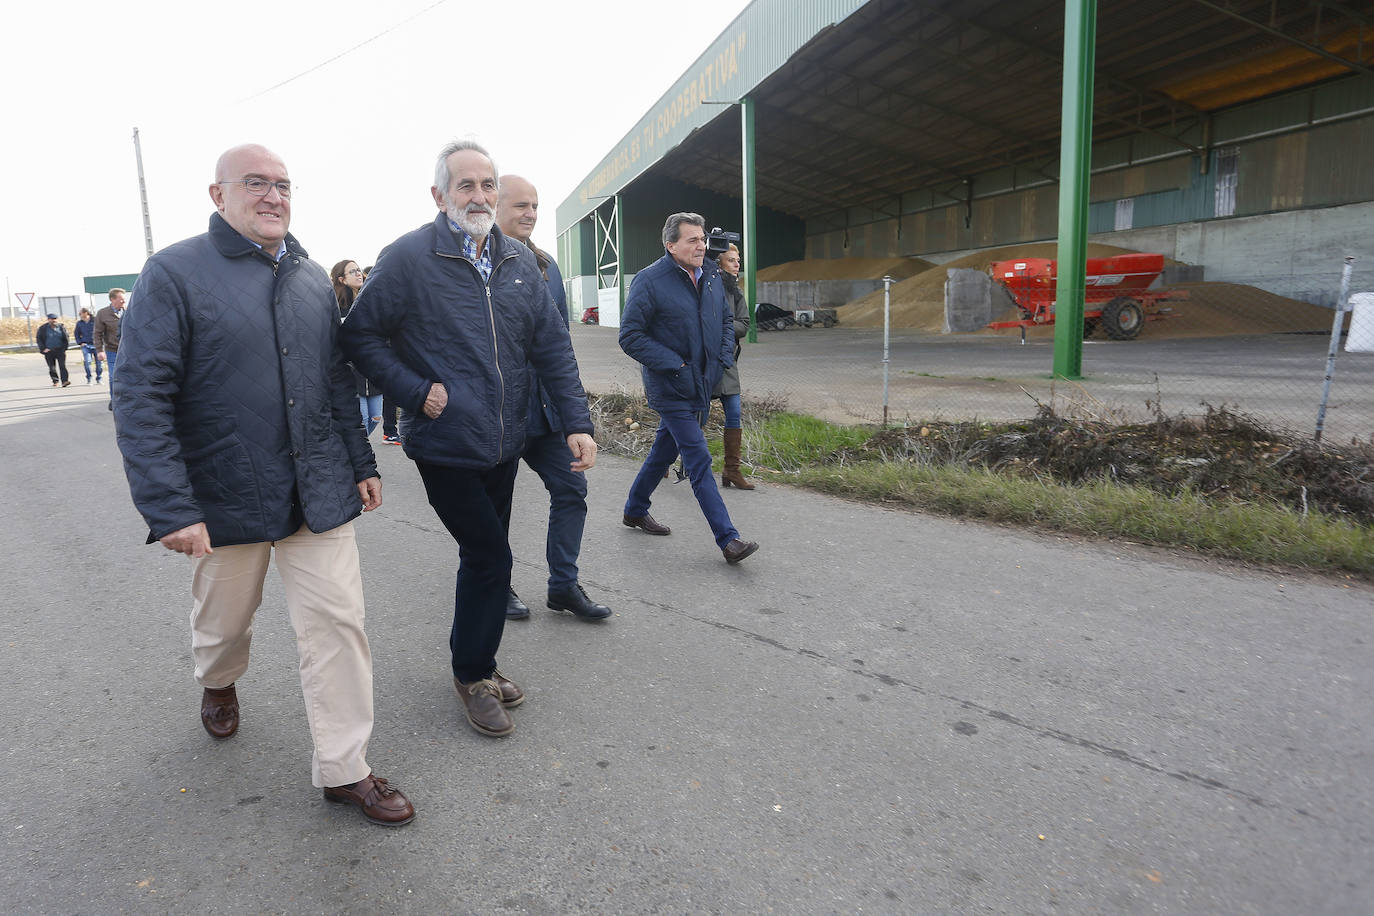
[[250, 380], [97, 336]]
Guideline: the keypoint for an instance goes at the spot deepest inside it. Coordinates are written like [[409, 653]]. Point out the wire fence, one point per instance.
[[1199, 346]]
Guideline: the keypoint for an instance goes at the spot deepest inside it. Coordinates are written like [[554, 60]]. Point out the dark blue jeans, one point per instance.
[[549, 457], [472, 505], [679, 432]]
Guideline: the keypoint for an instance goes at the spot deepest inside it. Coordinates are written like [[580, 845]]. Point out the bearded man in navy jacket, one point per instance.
[[450, 324], [678, 327]]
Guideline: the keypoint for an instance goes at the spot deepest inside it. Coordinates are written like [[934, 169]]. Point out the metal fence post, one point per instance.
[[887, 325], [1335, 344]]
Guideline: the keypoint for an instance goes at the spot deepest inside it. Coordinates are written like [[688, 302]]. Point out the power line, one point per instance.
[[345, 53]]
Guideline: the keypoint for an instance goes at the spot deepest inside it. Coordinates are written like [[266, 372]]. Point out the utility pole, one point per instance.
[[143, 196]]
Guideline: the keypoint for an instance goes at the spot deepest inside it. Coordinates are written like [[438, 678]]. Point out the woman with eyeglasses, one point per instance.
[[348, 280]]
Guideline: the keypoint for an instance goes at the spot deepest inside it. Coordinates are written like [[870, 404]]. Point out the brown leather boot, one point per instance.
[[730, 475], [485, 711]]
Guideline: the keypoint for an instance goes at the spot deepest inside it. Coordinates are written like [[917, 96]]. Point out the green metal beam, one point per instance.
[[746, 114], [620, 250], [1075, 149]]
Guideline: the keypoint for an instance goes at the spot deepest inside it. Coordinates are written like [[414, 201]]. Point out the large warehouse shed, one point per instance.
[[1232, 135]]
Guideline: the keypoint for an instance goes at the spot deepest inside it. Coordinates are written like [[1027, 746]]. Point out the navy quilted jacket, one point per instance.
[[233, 397], [425, 316], [683, 336]]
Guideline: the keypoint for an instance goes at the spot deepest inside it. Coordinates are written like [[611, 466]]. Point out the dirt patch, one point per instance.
[[844, 269], [1223, 456]]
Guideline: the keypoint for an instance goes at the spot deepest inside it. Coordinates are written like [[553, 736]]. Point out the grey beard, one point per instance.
[[476, 223]]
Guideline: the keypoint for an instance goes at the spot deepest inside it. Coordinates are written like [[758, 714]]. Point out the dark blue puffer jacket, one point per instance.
[[683, 336], [425, 316], [233, 396]]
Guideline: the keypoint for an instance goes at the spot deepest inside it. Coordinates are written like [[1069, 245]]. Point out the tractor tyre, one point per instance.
[[1122, 319], [1089, 326]]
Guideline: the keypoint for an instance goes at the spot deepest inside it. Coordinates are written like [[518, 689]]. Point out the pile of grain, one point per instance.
[[844, 269], [1216, 310], [1211, 309]]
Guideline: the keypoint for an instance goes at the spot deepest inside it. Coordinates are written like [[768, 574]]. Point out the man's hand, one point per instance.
[[99, 355], [371, 492], [436, 400], [193, 540], [583, 448]]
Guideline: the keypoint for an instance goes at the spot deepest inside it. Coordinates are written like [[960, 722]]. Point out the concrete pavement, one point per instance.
[[880, 712]]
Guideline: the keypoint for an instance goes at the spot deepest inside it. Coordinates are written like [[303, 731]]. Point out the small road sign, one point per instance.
[[24, 300]]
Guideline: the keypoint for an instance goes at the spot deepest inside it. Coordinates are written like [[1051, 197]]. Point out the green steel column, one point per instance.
[[620, 250], [1075, 150], [751, 248]]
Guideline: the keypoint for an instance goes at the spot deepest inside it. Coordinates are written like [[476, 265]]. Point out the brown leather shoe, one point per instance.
[[379, 802], [646, 523], [511, 694], [482, 700], [737, 550], [219, 711]]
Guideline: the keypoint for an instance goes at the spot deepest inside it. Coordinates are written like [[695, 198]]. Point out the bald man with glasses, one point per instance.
[[239, 428]]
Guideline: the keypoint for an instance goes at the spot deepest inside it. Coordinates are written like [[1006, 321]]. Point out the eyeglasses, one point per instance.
[[259, 187], [355, 272]]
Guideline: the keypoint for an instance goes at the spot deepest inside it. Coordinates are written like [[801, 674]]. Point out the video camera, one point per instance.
[[718, 242]]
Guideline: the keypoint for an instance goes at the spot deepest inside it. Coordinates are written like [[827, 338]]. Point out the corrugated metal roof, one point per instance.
[[904, 94]]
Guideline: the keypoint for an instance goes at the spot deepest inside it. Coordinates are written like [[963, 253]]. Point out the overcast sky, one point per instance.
[[548, 89]]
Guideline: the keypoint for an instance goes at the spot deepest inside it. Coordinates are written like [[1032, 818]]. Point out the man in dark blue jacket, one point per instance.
[[546, 450], [678, 326], [236, 416], [52, 343], [452, 319]]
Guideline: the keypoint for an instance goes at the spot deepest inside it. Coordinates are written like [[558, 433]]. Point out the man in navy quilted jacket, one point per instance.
[[545, 452], [450, 323], [236, 416], [678, 327]]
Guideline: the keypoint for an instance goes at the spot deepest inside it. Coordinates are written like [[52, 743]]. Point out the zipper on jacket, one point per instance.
[[495, 349]]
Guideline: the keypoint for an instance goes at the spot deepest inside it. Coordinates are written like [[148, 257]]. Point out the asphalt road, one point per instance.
[[880, 712]]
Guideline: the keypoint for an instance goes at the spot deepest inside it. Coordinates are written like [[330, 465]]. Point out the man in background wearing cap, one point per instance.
[[52, 343]]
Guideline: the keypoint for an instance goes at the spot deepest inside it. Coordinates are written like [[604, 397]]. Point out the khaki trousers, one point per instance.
[[324, 597]]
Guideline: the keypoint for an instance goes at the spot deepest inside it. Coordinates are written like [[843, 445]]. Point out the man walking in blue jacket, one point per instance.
[[236, 416], [451, 321], [678, 327], [546, 450]]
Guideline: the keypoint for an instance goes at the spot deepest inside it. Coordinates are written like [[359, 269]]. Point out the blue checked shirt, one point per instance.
[[481, 259]]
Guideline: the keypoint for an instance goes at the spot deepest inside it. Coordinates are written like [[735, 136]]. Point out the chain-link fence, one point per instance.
[[1197, 345]]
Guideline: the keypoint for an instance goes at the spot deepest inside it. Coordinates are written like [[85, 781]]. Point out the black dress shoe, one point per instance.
[[646, 523], [515, 608], [737, 550], [575, 600]]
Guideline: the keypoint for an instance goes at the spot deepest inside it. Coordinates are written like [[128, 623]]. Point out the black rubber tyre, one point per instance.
[[1089, 325], [1122, 319]]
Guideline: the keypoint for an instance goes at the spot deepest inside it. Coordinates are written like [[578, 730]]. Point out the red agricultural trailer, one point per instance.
[[1116, 295]]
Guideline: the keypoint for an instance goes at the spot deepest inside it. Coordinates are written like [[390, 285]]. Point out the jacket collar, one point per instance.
[[233, 245]]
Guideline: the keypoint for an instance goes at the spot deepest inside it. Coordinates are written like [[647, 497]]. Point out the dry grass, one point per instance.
[[19, 330]]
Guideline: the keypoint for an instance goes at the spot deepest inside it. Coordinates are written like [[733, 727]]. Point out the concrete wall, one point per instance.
[[972, 300], [815, 294]]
